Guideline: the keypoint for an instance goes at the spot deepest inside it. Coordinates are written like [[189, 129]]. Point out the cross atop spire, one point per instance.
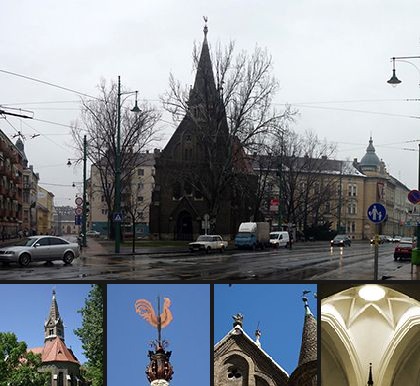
[[205, 30]]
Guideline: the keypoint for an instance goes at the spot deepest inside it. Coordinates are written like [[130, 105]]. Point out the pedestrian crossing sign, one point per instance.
[[118, 217]]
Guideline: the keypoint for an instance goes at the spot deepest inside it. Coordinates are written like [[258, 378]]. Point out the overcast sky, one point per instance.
[[332, 59]]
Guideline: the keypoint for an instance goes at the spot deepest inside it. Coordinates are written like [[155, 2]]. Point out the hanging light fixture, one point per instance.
[[136, 109], [393, 80]]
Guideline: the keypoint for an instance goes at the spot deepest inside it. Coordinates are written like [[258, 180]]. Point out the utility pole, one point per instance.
[[84, 214]]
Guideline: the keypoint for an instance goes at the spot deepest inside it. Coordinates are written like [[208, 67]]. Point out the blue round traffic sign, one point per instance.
[[414, 196], [376, 212]]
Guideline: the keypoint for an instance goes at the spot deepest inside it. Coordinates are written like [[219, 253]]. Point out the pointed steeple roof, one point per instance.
[[204, 89], [308, 350], [53, 326]]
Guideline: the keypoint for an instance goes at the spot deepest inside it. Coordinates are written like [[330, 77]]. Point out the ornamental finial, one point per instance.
[[205, 26]]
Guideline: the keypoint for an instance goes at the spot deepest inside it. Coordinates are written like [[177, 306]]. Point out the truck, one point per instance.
[[253, 235]]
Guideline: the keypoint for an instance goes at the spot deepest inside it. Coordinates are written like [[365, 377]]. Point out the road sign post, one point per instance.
[[377, 214]]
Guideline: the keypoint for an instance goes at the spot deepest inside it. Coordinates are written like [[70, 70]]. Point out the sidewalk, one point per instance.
[[94, 248], [404, 273]]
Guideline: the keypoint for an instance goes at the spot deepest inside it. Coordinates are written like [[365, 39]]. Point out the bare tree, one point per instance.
[[99, 119], [233, 114]]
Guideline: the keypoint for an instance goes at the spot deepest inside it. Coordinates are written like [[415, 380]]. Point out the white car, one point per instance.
[[207, 243], [40, 248], [93, 233]]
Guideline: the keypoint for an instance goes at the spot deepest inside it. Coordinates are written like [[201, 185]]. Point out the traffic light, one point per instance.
[[87, 207]]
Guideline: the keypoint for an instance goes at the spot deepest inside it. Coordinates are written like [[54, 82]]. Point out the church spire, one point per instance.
[[204, 89], [53, 327], [308, 350]]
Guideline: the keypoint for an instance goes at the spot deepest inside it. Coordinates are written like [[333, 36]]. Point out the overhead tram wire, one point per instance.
[[49, 84]]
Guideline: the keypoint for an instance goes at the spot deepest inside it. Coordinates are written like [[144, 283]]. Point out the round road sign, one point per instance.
[[78, 210], [78, 201], [414, 196]]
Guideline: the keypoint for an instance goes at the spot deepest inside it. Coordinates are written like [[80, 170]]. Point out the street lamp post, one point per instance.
[[117, 218], [415, 257]]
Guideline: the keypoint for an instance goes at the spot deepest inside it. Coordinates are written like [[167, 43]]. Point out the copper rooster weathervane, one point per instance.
[[159, 368]]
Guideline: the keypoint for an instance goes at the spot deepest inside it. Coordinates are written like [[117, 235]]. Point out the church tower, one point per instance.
[[53, 326], [307, 369], [57, 359]]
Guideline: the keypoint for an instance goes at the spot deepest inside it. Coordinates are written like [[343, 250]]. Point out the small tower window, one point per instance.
[[51, 331], [234, 373]]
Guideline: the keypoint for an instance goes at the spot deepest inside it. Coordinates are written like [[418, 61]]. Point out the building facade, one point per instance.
[[339, 193], [136, 196], [45, 211], [240, 360], [11, 167]]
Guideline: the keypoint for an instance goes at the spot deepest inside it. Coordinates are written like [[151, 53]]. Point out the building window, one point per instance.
[[140, 199], [352, 190], [188, 188], [51, 331], [351, 208], [234, 373], [140, 186], [176, 191], [140, 172]]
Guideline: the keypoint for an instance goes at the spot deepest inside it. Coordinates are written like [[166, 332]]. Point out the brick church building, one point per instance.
[[200, 174]]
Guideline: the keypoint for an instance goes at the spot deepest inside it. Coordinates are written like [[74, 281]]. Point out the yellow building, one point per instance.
[[45, 208], [339, 193]]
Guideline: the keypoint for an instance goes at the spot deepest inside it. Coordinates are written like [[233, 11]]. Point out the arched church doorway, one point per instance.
[[184, 228]]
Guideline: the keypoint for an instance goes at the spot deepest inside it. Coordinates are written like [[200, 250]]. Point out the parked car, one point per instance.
[[404, 248], [396, 239], [207, 243], [40, 248], [381, 239], [279, 239], [93, 233], [341, 241]]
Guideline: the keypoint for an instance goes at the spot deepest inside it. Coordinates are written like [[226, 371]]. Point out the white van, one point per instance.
[[279, 239]]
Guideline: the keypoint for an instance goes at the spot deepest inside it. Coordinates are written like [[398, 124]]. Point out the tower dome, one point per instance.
[[370, 159]]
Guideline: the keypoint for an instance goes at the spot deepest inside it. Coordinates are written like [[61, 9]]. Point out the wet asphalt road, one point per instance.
[[306, 261]]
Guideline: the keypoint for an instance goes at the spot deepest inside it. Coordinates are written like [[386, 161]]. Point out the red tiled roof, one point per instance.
[[55, 351]]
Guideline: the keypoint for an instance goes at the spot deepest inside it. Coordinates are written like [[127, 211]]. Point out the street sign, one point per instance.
[[77, 220], [78, 210], [414, 196], [376, 213], [78, 201], [118, 216]]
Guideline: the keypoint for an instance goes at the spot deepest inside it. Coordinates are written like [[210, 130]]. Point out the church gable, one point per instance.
[[238, 357]]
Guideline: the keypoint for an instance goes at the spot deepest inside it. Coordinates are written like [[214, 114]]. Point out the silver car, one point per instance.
[[40, 248]]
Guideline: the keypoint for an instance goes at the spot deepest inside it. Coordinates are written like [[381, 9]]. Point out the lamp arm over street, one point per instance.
[[394, 81]]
